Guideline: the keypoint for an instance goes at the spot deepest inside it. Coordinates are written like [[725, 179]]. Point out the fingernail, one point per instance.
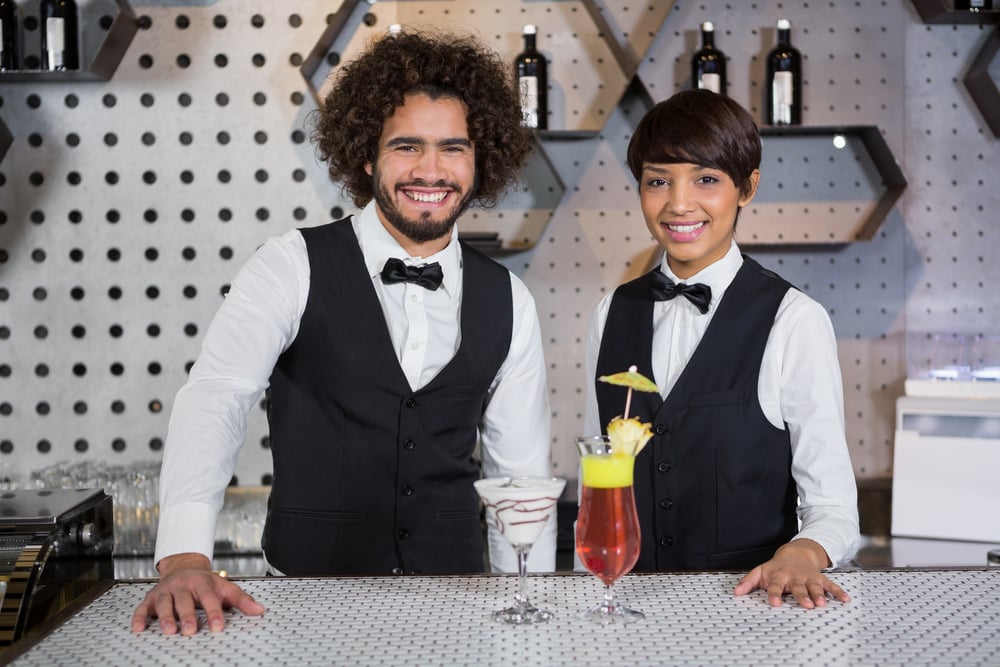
[[216, 626]]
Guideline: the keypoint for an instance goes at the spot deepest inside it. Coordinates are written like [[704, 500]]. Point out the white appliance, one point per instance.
[[946, 468]]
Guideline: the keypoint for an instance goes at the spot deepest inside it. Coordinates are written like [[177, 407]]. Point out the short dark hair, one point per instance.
[[369, 89], [699, 127]]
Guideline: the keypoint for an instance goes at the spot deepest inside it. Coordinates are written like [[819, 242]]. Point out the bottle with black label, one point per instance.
[[783, 86], [708, 65], [8, 35], [532, 78], [60, 40]]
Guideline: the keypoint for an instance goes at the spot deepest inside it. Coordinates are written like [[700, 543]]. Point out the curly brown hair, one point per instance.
[[369, 89]]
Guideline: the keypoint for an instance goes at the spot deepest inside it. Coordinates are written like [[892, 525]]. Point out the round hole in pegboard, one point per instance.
[[72, 139], [37, 217], [111, 178], [222, 137], [147, 100], [41, 370], [42, 408], [182, 22], [117, 406], [155, 406], [116, 331], [116, 369], [257, 21], [219, 21], [43, 446], [295, 60], [33, 101], [36, 178], [150, 215], [41, 332], [144, 22], [190, 291], [79, 369], [80, 407], [184, 99], [118, 444], [154, 368], [221, 60], [6, 447], [39, 294], [262, 214], [113, 254], [224, 176], [185, 138], [187, 215], [145, 61], [258, 60], [260, 99], [298, 136], [155, 444], [35, 140], [183, 60], [187, 177], [222, 99], [225, 215], [260, 137]]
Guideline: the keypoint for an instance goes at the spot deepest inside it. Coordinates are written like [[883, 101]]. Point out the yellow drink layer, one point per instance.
[[607, 472]]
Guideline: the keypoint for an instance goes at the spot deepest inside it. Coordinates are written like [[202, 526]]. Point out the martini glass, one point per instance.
[[607, 525], [519, 507]]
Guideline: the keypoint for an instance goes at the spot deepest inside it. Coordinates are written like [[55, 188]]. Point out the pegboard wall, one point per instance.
[[126, 206]]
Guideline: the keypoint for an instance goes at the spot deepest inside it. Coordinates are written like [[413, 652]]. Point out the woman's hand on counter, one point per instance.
[[186, 583], [795, 569]]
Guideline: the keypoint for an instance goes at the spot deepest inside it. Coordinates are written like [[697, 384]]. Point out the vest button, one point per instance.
[[660, 429], [666, 504], [411, 402], [664, 467], [666, 541], [397, 570], [404, 534], [409, 444], [408, 490]]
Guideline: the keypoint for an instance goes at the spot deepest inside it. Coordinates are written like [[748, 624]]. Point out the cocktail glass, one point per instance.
[[607, 525], [519, 507]]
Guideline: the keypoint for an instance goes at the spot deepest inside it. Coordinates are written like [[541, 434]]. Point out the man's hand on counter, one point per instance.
[[796, 570], [186, 583]]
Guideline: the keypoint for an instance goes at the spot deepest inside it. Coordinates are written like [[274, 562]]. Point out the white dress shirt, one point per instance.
[[259, 320], [799, 386]]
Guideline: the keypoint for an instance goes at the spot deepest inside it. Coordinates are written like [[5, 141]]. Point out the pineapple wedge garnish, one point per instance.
[[628, 436]]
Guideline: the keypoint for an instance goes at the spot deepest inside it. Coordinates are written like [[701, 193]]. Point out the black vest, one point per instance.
[[369, 476], [713, 488]]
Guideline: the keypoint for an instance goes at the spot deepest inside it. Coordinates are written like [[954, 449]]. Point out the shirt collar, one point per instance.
[[377, 246], [717, 275]]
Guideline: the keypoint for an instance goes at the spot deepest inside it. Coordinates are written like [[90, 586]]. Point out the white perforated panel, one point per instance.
[[127, 206]]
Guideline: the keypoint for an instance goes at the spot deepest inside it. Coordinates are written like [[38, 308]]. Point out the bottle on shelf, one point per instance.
[[532, 78], [783, 85], [9, 57], [59, 35], [708, 65]]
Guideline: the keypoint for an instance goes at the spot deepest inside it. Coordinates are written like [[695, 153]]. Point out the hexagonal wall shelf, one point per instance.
[[982, 85], [821, 185], [943, 11], [588, 74], [121, 25]]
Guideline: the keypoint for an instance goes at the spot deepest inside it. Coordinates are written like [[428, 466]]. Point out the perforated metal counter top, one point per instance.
[[898, 617]]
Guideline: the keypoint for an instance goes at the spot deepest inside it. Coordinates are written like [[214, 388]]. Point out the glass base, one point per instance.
[[612, 615], [523, 615]]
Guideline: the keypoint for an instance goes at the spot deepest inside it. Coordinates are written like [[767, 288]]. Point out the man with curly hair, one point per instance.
[[388, 348]]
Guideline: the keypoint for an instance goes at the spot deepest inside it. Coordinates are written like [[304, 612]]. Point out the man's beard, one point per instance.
[[424, 229]]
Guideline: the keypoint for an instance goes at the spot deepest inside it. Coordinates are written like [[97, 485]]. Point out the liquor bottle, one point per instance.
[[708, 65], [783, 86], [532, 78], [8, 35], [60, 41]]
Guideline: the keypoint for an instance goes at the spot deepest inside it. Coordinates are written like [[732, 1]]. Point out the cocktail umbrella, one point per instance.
[[633, 380]]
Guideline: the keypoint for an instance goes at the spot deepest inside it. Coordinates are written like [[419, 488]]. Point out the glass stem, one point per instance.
[[610, 603], [522, 575]]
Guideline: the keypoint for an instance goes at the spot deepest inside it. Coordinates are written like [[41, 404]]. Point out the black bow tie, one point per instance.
[[665, 289], [428, 275]]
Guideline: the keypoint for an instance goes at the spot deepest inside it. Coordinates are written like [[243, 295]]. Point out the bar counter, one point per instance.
[[896, 617]]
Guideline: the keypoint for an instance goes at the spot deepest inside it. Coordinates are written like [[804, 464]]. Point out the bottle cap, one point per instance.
[[708, 26], [784, 24], [529, 29]]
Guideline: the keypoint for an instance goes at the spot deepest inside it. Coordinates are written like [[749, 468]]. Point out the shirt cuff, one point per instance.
[[186, 528]]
